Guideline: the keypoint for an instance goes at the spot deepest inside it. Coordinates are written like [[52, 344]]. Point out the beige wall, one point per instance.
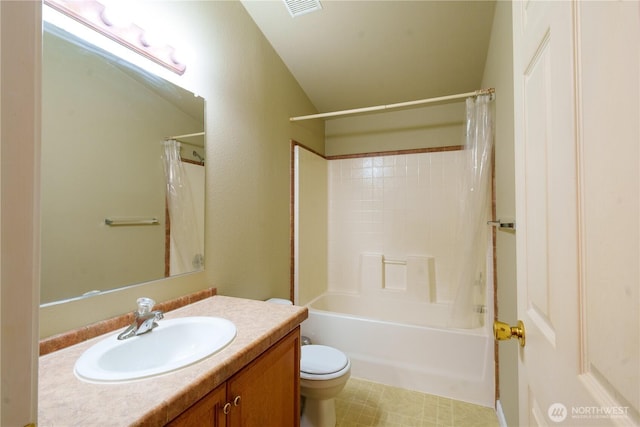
[[498, 73], [248, 155], [312, 223], [425, 127]]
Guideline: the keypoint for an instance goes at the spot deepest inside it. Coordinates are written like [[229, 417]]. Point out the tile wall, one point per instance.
[[395, 205]]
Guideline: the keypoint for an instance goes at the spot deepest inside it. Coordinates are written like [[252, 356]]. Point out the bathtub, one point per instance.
[[405, 344]]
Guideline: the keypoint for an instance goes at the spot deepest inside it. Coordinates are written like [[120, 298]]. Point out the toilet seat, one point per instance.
[[321, 362]]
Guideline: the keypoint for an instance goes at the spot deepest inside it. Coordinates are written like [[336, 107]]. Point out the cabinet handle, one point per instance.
[[236, 401], [227, 408]]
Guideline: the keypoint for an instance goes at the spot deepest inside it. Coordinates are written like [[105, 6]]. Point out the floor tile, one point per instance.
[[364, 403]]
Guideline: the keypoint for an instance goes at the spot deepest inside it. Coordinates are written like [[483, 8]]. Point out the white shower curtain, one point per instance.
[[474, 211], [186, 245]]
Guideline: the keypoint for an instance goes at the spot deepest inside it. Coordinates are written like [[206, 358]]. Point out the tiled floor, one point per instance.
[[366, 404]]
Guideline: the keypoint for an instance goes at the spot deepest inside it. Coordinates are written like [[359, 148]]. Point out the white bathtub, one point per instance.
[[405, 344]]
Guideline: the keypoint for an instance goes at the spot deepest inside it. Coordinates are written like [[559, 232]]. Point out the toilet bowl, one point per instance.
[[324, 371]]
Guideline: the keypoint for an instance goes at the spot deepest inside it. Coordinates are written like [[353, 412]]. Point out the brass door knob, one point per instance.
[[502, 331]]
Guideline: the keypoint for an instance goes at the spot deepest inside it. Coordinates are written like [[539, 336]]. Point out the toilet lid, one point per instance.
[[321, 359]]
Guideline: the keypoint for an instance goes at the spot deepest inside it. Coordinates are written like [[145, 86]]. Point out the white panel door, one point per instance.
[[577, 188]]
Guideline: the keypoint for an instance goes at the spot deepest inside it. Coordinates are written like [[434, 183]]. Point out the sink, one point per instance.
[[173, 344]]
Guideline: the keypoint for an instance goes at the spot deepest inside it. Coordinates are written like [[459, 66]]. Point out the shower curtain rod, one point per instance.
[[398, 105], [185, 136]]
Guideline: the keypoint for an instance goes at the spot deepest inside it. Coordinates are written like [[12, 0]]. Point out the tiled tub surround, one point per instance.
[[396, 207], [64, 400]]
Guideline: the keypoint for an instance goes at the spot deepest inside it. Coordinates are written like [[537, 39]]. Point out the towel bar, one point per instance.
[[131, 221]]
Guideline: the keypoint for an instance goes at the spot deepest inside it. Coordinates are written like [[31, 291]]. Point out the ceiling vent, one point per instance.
[[301, 7]]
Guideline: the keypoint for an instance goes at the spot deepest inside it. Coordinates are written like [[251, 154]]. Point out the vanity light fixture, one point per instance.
[[94, 14]]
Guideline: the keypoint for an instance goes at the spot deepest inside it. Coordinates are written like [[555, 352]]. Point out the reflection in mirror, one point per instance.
[[103, 126]]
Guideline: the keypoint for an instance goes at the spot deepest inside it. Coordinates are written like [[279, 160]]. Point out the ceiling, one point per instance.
[[361, 53]]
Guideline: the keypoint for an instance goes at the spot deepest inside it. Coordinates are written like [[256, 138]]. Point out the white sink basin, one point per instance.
[[173, 344]]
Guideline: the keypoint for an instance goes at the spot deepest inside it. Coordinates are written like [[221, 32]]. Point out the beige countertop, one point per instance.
[[66, 401]]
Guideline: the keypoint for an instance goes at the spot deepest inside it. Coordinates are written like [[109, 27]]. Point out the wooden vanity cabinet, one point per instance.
[[264, 393], [208, 411]]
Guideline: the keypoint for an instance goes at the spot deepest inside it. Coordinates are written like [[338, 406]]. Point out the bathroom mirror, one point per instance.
[[103, 126]]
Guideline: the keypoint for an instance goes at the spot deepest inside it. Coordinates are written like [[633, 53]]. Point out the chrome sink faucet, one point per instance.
[[145, 319]]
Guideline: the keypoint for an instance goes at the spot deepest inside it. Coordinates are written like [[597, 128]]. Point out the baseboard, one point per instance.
[[502, 421]]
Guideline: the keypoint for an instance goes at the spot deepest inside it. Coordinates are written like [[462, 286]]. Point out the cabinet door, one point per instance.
[[267, 391], [207, 412]]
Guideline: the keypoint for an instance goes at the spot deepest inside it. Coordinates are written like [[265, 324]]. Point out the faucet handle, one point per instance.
[[145, 305]]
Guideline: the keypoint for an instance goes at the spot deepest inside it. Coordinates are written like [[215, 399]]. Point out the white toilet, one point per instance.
[[324, 371]]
